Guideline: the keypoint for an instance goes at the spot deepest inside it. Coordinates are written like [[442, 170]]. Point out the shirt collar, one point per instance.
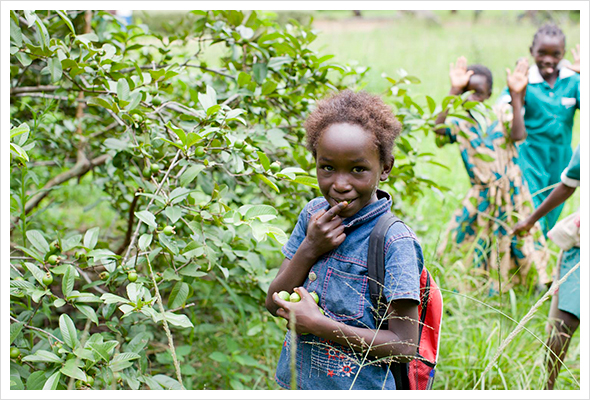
[[370, 211], [536, 77]]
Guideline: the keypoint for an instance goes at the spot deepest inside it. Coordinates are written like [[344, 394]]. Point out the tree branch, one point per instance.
[[30, 89]]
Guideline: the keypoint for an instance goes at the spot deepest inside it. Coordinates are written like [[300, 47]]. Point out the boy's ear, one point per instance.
[[387, 166]]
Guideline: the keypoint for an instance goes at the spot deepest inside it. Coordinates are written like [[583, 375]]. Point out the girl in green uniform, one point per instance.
[[551, 100]]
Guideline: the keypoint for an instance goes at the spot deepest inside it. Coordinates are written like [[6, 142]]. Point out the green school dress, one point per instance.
[[496, 201], [548, 118]]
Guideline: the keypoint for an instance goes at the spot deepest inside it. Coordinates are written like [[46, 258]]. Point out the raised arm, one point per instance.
[[517, 83], [576, 65], [459, 80]]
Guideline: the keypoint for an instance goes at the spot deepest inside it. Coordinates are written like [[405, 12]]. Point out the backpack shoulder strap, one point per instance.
[[376, 258]]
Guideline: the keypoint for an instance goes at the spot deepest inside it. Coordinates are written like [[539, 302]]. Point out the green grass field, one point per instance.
[[473, 325]]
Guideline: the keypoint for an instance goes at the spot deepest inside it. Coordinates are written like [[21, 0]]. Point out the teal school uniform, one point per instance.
[[549, 118]]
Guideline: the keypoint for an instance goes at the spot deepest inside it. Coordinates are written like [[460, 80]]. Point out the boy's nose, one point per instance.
[[341, 184]]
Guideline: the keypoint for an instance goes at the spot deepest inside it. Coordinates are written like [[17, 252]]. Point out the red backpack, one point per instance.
[[417, 374]]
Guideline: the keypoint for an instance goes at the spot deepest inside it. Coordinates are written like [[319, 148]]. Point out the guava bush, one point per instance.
[[194, 141]]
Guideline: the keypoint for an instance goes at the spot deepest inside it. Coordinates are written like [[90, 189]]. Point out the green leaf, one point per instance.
[[269, 182], [67, 283], [431, 104], [179, 320], [24, 59], [68, 331], [72, 370], [259, 70], [144, 241], [485, 157], [66, 20], [109, 298], [103, 349], [307, 180], [91, 237], [123, 89], [88, 311], [16, 35], [219, 357], [190, 174], [193, 249], [21, 129], [167, 382], [57, 303], [168, 243], [36, 380], [52, 382], [268, 87], [243, 78], [15, 330], [43, 356], [263, 160], [134, 291], [38, 241], [178, 295], [37, 273], [19, 151], [135, 99], [71, 242], [173, 213], [147, 217], [260, 210], [54, 65], [209, 99]]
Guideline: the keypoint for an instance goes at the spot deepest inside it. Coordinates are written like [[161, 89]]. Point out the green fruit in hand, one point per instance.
[[294, 298], [275, 167], [199, 151], [132, 276], [315, 297], [14, 352], [53, 259], [155, 168], [104, 275], [284, 295], [48, 279], [168, 230]]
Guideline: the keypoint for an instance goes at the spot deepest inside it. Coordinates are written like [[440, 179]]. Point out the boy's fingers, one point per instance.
[[303, 293], [278, 301], [334, 211]]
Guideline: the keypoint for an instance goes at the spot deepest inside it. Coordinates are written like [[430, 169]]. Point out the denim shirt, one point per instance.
[[340, 278]]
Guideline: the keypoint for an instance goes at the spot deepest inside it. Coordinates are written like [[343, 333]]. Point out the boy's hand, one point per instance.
[[325, 231], [306, 312], [518, 80], [576, 65], [522, 228], [459, 75]]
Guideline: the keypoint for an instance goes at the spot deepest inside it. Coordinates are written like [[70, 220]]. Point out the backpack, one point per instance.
[[417, 374]]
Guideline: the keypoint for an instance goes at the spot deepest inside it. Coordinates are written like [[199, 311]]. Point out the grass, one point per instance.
[[473, 325]]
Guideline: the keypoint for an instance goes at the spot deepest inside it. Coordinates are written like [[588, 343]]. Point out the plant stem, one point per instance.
[[165, 323]]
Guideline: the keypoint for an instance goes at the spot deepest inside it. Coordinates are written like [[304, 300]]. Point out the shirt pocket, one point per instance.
[[344, 295]]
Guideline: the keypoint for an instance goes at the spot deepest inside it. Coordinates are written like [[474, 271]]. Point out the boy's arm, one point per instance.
[[399, 341], [325, 232], [557, 196], [517, 83], [459, 80]]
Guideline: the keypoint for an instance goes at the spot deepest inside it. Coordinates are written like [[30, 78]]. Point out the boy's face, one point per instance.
[[349, 167], [548, 52], [480, 86]]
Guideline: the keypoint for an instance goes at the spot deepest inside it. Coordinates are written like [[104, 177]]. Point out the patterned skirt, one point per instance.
[[481, 227]]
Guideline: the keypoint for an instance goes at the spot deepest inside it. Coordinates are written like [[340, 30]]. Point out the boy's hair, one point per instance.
[[548, 30], [361, 109], [484, 71]]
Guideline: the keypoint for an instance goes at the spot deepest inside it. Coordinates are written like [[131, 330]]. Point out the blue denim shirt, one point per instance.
[[340, 278]]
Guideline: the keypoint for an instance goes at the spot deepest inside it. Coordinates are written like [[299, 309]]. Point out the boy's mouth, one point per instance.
[[338, 201]]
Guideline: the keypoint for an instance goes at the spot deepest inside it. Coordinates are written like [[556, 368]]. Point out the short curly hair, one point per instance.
[[484, 71], [361, 109]]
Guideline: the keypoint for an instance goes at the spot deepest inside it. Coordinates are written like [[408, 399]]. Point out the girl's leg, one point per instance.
[[561, 328]]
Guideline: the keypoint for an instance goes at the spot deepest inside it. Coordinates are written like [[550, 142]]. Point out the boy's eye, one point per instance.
[[327, 168], [358, 169]]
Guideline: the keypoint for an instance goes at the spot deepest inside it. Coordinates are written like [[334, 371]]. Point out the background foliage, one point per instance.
[[192, 127]]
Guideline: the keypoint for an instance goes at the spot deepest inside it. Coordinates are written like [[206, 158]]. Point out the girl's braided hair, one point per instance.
[[548, 30], [361, 109]]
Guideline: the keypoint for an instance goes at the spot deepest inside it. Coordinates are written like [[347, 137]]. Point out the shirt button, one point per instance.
[[551, 94], [312, 276]]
